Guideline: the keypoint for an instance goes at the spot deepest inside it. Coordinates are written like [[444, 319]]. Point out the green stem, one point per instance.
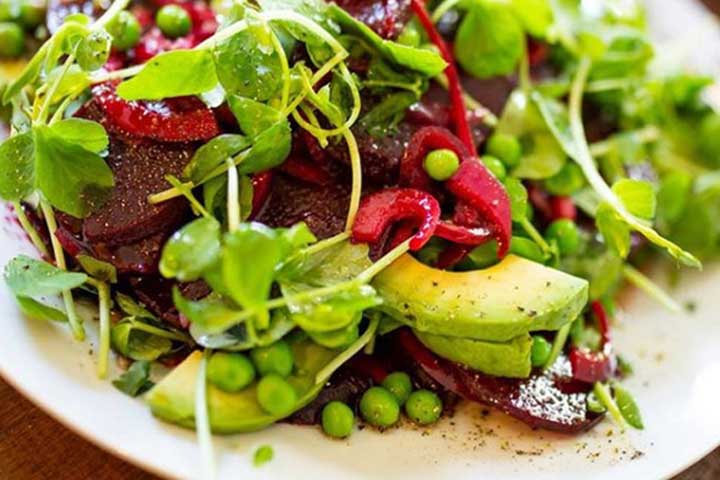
[[645, 135], [602, 392], [47, 101], [384, 262], [202, 419], [642, 282], [110, 14], [233, 200], [73, 319], [187, 193], [558, 345], [356, 169], [30, 230], [104, 308], [530, 229]]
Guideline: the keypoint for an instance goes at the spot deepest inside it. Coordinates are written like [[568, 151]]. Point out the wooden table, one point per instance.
[[33, 446]]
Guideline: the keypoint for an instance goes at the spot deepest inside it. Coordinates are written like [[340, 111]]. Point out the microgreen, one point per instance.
[[136, 380], [140, 339]]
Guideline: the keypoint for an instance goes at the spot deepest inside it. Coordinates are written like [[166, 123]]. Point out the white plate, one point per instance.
[[676, 381]]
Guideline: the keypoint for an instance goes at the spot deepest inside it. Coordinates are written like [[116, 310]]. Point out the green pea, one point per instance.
[[337, 420], [594, 405], [275, 395], [526, 248], [32, 14], [566, 234], [400, 385], [12, 40], [540, 351], [230, 372], [441, 164], [379, 407], [567, 181], [628, 407], [505, 147], [173, 21], [424, 407], [495, 166], [276, 358], [125, 30]]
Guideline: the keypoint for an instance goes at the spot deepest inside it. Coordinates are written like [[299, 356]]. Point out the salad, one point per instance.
[[356, 211]]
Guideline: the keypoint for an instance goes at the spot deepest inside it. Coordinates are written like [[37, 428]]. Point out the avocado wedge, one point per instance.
[[496, 304], [173, 399], [501, 359]]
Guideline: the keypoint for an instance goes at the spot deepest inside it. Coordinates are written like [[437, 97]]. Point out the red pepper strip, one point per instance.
[[403, 231], [454, 87], [452, 255], [474, 185], [425, 140], [590, 366], [181, 119], [261, 183], [378, 210], [562, 208], [468, 236]]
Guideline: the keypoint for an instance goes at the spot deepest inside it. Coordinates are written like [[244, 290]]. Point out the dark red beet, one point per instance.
[[323, 208], [154, 43], [141, 257], [181, 119], [537, 401], [386, 17], [156, 293]]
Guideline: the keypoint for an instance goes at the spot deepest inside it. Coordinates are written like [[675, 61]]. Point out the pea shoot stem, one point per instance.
[[104, 310], [73, 319], [602, 392], [233, 201], [30, 230], [536, 237], [202, 419], [642, 282]]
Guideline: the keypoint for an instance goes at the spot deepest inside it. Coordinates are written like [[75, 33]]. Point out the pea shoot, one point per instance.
[[379, 407], [441, 164], [337, 420], [174, 21], [424, 407]]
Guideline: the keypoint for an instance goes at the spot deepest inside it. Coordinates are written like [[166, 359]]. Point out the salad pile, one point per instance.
[[314, 211]]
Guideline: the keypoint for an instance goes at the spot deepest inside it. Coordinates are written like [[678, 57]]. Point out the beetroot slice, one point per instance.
[[141, 257], [181, 119], [156, 293], [139, 169], [541, 401]]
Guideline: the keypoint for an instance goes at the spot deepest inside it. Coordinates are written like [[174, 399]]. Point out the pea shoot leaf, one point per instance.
[[89, 135], [39, 311], [28, 277], [73, 179], [136, 380], [17, 167], [536, 16], [98, 269], [490, 39], [172, 74], [613, 229], [131, 307], [139, 340], [212, 314], [191, 250], [638, 196], [214, 154]]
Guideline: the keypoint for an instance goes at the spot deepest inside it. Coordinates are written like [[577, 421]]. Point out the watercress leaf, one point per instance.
[[238, 338], [191, 250], [172, 74], [212, 314], [638, 196], [270, 148], [98, 269], [136, 380], [74, 180], [250, 255], [536, 16], [131, 307], [130, 339], [248, 65], [383, 118], [420, 60], [613, 229], [17, 167], [246, 197], [333, 312], [332, 265], [558, 121], [253, 117], [337, 338], [86, 133], [39, 311], [215, 197], [490, 39], [28, 277], [294, 238], [213, 154]]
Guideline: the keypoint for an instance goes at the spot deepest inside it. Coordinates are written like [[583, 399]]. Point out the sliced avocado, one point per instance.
[[498, 303], [502, 359], [173, 399]]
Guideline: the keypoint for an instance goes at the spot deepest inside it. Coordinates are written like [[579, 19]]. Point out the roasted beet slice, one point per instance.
[[139, 169], [141, 257], [386, 17], [181, 119], [156, 293], [541, 401], [323, 208]]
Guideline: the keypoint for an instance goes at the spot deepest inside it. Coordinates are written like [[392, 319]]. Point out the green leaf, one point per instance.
[[420, 60], [248, 65], [213, 154], [490, 39], [542, 157], [191, 250], [136, 380], [88, 134], [237, 337], [131, 307], [28, 277], [131, 338], [253, 117], [384, 117], [613, 229], [103, 271], [28, 75], [638, 196], [250, 255], [39, 311], [536, 16], [17, 167], [74, 180], [270, 149], [73, 81], [212, 314], [172, 74]]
